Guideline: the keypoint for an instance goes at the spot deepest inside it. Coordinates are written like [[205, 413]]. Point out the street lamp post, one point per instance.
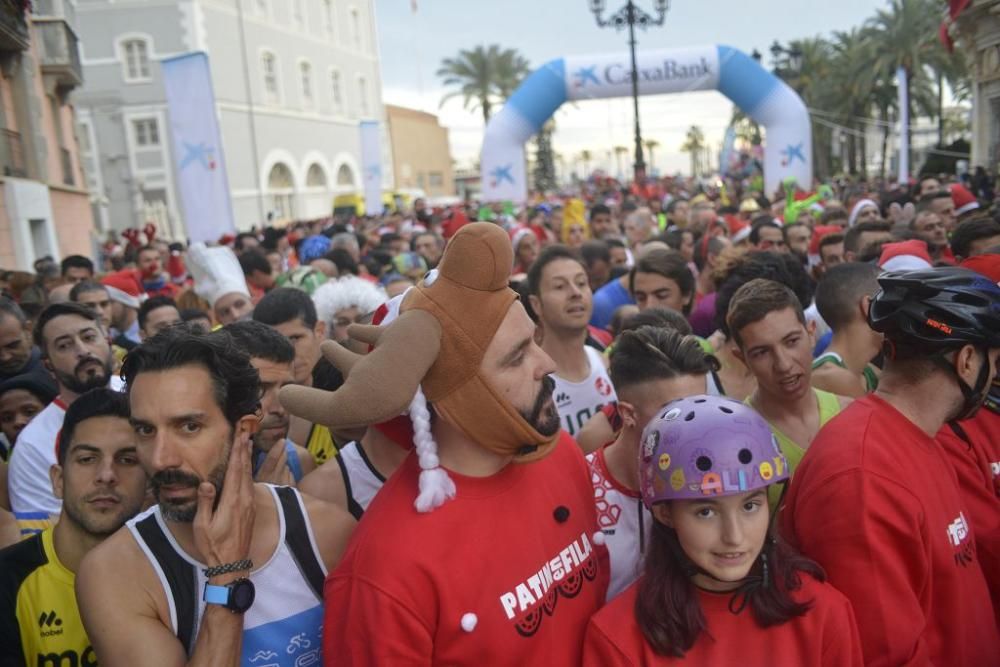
[[632, 17]]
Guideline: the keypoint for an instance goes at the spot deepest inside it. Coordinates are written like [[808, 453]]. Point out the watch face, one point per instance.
[[242, 595]]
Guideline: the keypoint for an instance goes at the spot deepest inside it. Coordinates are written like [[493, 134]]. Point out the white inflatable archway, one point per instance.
[[761, 95]]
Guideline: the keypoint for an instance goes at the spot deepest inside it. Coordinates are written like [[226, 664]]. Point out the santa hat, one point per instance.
[[818, 233], [454, 222], [987, 264], [864, 203], [216, 272], [905, 256], [125, 287], [964, 200], [517, 235]]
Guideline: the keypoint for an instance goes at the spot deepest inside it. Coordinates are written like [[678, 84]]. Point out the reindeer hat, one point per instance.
[[434, 348]]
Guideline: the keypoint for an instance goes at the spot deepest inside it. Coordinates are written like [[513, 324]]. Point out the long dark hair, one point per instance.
[[667, 608]]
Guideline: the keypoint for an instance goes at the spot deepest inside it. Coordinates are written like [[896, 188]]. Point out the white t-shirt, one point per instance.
[[577, 402], [28, 475], [624, 520]]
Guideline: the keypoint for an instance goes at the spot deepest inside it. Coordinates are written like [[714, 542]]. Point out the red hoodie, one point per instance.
[[825, 636], [876, 502], [977, 464], [505, 573]]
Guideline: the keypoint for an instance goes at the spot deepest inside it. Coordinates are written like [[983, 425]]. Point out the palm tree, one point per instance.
[[510, 68], [651, 145], [585, 157], [854, 77], [907, 38], [694, 144], [484, 76], [620, 152]]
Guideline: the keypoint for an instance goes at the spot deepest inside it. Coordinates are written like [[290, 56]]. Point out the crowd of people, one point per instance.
[[667, 423]]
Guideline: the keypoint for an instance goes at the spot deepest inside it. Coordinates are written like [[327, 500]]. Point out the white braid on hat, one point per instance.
[[436, 486]]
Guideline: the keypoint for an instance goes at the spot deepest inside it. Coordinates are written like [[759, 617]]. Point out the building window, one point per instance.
[[435, 179], [315, 177], [269, 67], [328, 17], [282, 188], [345, 176], [363, 96], [356, 29], [305, 75], [136, 56], [335, 92], [146, 132]]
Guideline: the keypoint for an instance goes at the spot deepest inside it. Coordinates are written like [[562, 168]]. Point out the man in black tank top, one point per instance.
[[193, 580]]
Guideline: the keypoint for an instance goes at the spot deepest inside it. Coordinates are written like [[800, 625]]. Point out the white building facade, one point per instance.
[[292, 80]]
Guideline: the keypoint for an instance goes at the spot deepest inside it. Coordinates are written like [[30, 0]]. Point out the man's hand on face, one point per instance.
[[223, 532], [275, 470]]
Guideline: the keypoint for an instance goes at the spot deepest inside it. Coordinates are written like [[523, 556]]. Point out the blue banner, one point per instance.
[[198, 160]]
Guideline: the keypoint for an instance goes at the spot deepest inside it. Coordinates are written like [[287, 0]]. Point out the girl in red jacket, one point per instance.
[[717, 587]]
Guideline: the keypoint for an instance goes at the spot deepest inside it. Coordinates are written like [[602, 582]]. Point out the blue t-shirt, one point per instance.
[[606, 302]]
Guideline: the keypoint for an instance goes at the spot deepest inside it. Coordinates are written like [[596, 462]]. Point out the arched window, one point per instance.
[[315, 176], [345, 176], [135, 57], [359, 43], [305, 77], [281, 187], [269, 71], [336, 94], [328, 17]]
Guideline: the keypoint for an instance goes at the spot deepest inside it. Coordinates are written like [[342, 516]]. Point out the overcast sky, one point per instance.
[[412, 46]]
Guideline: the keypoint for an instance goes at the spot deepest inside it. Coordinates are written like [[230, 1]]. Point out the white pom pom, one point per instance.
[[431, 276], [469, 622], [598, 538], [435, 488]]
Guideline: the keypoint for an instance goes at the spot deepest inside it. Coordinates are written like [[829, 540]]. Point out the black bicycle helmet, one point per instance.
[[939, 309]]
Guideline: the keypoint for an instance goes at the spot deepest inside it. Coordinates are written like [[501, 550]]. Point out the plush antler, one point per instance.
[[377, 386]]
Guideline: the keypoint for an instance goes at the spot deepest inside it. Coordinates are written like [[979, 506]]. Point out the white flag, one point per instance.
[[198, 161], [371, 166]]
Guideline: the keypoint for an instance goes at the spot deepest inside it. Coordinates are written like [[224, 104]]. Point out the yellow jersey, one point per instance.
[[39, 620]]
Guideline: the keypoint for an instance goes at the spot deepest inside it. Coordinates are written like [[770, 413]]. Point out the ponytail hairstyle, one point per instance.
[[667, 608]]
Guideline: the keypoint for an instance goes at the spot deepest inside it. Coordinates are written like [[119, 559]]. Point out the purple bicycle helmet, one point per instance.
[[707, 446]]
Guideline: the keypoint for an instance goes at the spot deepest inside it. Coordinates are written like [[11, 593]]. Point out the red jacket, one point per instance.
[[977, 465], [876, 502], [504, 573], [826, 636]]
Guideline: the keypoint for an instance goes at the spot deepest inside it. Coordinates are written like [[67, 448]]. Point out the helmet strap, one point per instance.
[[972, 397]]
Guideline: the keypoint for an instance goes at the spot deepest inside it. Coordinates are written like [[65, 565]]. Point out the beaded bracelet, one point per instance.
[[238, 566]]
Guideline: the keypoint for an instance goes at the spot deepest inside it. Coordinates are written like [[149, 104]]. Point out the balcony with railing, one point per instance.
[[12, 162], [58, 53], [13, 26]]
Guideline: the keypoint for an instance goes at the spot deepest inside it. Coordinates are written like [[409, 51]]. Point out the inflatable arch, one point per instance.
[[761, 95]]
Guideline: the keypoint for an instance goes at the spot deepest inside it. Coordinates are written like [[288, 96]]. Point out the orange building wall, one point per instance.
[[73, 219]]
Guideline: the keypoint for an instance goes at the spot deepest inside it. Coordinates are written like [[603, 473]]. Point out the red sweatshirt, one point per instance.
[[977, 464], [877, 503], [505, 573], [825, 636]]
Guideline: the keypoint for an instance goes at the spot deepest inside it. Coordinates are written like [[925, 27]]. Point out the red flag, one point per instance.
[[945, 38], [955, 7]]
